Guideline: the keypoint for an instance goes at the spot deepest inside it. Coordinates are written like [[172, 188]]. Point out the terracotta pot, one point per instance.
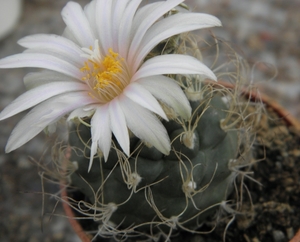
[[254, 96], [74, 223], [296, 237]]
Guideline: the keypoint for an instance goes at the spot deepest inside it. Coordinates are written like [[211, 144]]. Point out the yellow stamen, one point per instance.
[[105, 74]]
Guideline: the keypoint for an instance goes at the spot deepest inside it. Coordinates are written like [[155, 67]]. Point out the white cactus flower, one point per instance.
[[97, 70]]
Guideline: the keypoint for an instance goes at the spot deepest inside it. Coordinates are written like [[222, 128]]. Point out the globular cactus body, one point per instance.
[[150, 190]]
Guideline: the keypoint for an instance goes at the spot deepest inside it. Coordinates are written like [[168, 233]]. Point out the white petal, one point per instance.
[[35, 79], [118, 124], [82, 112], [69, 35], [146, 125], [171, 26], [119, 9], [54, 45], [143, 11], [90, 13], [41, 61], [51, 41], [94, 148], [104, 21], [40, 94], [43, 115], [125, 28], [145, 18], [172, 64], [78, 24], [169, 92], [100, 130], [78, 62], [143, 97]]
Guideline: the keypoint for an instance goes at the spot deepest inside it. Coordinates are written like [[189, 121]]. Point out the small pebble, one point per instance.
[[197, 238], [255, 240], [288, 181], [278, 165], [269, 227], [278, 236], [290, 232], [290, 189]]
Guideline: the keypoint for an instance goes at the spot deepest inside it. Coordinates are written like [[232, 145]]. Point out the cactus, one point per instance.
[[150, 193], [148, 187]]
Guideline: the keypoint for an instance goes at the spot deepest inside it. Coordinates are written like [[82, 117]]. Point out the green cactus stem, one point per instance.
[[150, 193]]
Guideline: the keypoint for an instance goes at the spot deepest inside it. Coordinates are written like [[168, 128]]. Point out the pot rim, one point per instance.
[[71, 217]]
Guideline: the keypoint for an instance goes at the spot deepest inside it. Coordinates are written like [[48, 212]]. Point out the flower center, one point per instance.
[[106, 75]]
